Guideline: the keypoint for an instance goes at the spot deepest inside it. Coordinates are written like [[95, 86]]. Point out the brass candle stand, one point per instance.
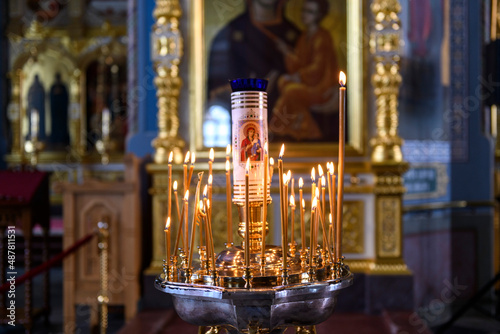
[[264, 297], [255, 287]]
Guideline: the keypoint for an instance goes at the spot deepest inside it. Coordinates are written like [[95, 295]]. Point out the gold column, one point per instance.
[[76, 116], [387, 160], [14, 112], [167, 52]]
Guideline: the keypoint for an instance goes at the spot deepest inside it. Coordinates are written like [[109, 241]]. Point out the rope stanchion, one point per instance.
[[50, 263], [103, 298]]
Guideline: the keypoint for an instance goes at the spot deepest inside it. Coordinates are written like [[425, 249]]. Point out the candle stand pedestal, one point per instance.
[[267, 307]]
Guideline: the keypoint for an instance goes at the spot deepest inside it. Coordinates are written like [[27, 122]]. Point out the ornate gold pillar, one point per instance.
[[167, 52], [76, 116], [14, 111], [387, 160]]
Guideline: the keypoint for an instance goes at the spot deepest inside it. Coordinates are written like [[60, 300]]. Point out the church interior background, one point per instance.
[[114, 86]]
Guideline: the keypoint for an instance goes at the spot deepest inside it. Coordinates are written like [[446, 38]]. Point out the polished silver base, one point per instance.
[[259, 309]]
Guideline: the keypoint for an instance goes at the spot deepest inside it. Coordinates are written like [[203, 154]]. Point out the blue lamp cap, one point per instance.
[[252, 84]]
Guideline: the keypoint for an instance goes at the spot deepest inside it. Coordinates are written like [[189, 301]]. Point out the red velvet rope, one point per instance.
[[49, 263]]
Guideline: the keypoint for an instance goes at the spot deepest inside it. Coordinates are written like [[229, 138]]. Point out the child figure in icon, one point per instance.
[[256, 147], [251, 146]]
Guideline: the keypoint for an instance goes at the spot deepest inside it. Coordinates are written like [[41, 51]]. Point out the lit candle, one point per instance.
[[330, 233], [247, 216], [184, 180], [167, 240], [210, 181], [264, 203], [170, 157], [208, 228], [340, 194], [105, 123], [210, 236], [317, 217], [280, 174], [204, 222], [312, 246], [292, 207], [228, 151], [191, 168], [302, 207], [180, 231], [323, 195], [211, 157], [193, 232], [186, 222], [313, 179], [271, 168], [177, 202], [333, 207], [35, 120], [228, 204], [285, 208]]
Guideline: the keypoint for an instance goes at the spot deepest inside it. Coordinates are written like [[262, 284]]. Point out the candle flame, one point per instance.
[[289, 175], [301, 183], [330, 217], [292, 201], [175, 185], [210, 179], [186, 196], [193, 158], [227, 165], [265, 148], [285, 177], [211, 155], [271, 161], [320, 171], [342, 79], [314, 203], [313, 174], [303, 203], [323, 181], [186, 159], [167, 225], [282, 151], [208, 204], [228, 149], [316, 192], [170, 157], [205, 191], [247, 167], [201, 206], [331, 169]]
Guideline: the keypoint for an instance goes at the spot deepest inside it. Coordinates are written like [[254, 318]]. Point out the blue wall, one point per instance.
[[473, 180], [139, 143]]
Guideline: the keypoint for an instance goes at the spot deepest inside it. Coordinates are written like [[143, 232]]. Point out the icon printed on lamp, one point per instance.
[[249, 137]]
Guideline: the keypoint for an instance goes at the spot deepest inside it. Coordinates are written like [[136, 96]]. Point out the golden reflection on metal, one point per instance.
[[167, 57]]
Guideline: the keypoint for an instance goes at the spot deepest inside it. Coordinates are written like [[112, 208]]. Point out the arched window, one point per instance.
[[217, 127]]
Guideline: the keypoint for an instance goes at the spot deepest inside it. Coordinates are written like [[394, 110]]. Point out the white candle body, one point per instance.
[[249, 111]]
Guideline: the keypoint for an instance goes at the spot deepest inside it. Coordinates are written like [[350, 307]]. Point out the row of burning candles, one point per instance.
[[202, 208], [202, 211]]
